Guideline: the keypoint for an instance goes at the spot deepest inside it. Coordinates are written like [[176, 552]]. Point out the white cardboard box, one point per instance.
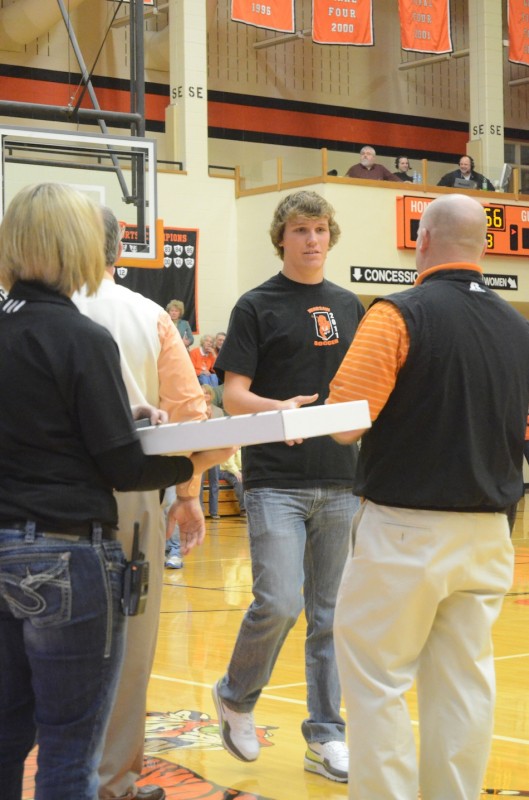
[[268, 426]]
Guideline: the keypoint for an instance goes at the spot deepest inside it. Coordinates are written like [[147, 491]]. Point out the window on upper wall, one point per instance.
[[524, 154], [517, 155]]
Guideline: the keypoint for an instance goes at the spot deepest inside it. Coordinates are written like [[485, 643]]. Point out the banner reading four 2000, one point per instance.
[[276, 15], [342, 22]]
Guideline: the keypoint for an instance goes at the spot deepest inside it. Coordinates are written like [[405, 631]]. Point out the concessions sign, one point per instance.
[[276, 15], [425, 26], [342, 22], [518, 11]]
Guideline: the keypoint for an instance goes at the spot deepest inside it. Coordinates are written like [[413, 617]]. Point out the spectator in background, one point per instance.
[[403, 166], [175, 309], [212, 412], [219, 341], [173, 547], [367, 168], [466, 177], [217, 344], [203, 358], [230, 471]]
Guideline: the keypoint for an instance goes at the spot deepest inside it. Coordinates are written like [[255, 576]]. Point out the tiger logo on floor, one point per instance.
[[173, 730], [166, 734]]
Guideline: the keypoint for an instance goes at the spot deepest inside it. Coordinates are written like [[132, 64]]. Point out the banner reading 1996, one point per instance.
[[518, 11], [342, 22], [425, 26], [276, 15]]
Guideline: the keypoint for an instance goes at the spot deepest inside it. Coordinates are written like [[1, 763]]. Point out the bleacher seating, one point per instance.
[[228, 505]]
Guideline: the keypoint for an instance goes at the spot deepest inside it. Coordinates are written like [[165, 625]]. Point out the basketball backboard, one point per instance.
[[117, 172]]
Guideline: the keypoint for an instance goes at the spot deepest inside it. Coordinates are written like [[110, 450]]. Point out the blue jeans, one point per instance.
[[172, 545], [210, 380], [299, 540], [213, 486], [236, 485], [61, 643]]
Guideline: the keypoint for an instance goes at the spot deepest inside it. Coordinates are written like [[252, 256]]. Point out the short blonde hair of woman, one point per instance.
[[53, 234], [175, 304]]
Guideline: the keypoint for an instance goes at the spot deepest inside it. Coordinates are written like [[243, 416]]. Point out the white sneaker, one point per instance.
[[174, 562], [237, 730], [330, 759]]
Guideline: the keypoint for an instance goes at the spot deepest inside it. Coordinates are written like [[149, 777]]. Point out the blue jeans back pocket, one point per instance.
[[37, 587]]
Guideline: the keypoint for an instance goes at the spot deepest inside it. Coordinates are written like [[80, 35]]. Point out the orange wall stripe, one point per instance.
[[292, 123], [241, 117], [54, 93]]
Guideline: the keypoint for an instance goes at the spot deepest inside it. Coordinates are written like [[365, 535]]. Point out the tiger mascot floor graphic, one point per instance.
[[166, 733], [169, 732]]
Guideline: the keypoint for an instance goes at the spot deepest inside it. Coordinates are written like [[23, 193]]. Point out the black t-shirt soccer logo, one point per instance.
[[325, 328]]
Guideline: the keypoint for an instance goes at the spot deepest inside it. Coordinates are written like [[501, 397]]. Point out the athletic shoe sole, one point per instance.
[[168, 565], [314, 764]]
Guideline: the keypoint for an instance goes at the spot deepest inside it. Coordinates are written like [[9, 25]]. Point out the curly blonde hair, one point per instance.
[[302, 204]]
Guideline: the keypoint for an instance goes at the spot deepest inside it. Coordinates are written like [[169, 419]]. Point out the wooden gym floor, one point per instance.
[[203, 605]]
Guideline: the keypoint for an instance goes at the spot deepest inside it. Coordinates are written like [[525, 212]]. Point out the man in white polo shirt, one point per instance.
[[156, 369]]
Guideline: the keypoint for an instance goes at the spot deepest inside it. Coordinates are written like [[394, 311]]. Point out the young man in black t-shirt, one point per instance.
[[287, 337]]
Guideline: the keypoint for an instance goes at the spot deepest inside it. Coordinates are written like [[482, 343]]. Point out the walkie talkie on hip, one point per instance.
[[135, 580]]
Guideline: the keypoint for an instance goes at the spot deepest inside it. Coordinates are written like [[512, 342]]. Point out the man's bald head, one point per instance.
[[452, 229]]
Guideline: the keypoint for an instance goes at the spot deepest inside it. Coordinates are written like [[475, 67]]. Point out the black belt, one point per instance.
[[77, 531]]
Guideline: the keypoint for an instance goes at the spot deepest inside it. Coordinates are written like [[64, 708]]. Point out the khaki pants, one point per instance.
[[418, 598], [122, 761]]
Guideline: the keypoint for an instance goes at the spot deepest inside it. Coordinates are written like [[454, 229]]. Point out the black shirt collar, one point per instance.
[[35, 291]]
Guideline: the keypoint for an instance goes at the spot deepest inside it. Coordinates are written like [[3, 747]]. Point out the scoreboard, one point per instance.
[[507, 226]]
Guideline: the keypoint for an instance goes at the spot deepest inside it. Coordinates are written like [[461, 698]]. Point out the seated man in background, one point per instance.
[[403, 167], [368, 169], [466, 177]]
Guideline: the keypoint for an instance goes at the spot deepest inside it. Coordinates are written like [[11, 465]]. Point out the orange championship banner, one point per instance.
[[518, 16], [425, 26], [342, 22], [276, 15]]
